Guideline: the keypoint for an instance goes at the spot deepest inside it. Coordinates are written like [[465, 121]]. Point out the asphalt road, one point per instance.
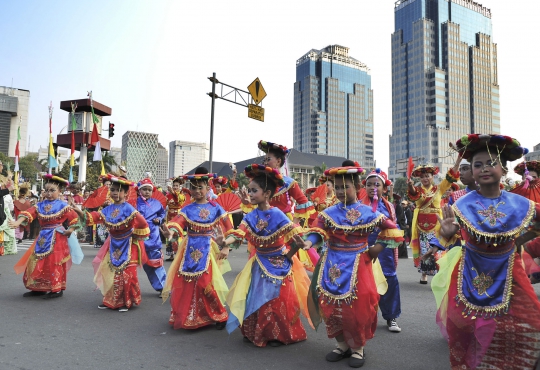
[[72, 333]]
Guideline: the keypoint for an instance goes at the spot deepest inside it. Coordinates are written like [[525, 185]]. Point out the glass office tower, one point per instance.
[[444, 79], [333, 105]]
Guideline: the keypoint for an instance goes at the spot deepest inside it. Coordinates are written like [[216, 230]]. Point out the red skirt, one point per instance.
[[278, 319], [516, 340], [126, 291], [195, 303], [358, 321], [49, 274]]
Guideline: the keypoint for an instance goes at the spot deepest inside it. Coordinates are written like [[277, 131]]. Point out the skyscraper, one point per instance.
[[140, 153], [444, 79], [185, 156], [333, 105], [13, 112]]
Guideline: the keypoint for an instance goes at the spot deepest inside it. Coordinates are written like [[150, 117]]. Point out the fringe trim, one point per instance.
[[200, 226], [495, 238], [364, 228], [267, 274], [54, 216], [487, 312], [120, 224]]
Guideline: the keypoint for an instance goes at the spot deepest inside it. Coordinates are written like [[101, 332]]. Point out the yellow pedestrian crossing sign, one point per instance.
[[256, 90]]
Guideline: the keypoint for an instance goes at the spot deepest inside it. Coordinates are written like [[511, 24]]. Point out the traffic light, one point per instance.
[[111, 130]]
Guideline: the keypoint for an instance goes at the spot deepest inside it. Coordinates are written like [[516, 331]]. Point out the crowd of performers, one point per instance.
[[479, 243]]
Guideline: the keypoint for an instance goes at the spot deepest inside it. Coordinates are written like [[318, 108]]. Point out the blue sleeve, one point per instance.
[[314, 238]]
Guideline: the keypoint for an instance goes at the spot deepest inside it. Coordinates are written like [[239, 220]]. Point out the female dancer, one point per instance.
[[115, 266], [47, 262], [275, 158], [176, 199], [376, 185], [194, 280], [487, 308], [269, 294], [425, 228], [22, 204], [344, 288]]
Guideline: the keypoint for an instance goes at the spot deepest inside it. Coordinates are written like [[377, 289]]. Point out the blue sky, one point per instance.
[[149, 61]]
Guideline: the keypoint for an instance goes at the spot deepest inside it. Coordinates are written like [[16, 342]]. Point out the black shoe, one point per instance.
[[33, 294], [221, 325], [338, 354], [357, 362], [423, 282], [54, 295], [275, 343]]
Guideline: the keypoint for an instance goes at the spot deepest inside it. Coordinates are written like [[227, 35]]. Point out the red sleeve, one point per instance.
[[30, 214], [72, 217], [225, 224], [140, 227], [93, 218], [297, 194], [178, 224]]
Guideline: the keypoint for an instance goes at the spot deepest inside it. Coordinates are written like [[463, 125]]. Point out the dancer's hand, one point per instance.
[[301, 243], [219, 236], [166, 232], [244, 196], [15, 224], [223, 253], [449, 225]]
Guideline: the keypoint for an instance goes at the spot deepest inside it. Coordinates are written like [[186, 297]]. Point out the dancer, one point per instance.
[[376, 184], [344, 289], [176, 199], [46, 263], [487, 308], [467, 179], [194, 280], [275, 158], [22, 204], [270, 292], [115, 266], [425, 245], [528, 169], [153, 212]]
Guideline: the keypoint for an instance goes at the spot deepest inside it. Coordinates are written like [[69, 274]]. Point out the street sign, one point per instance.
[[256, 112], [256, 90]]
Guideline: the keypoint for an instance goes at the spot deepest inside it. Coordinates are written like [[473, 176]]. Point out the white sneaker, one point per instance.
[[125, 309], [393, 326]]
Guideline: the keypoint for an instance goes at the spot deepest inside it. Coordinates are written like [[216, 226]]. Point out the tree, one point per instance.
[[242, 180], [400, 186], [29, 167], [318, 171]]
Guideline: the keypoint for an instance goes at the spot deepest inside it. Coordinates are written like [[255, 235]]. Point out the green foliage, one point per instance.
[[242, 180], [29, 167], [400, 186]]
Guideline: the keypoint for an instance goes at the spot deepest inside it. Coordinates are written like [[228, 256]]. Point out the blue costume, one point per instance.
[[390, 302], [151, 209]]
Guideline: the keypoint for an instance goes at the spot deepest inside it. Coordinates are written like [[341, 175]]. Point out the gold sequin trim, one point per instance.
[[365, 228]]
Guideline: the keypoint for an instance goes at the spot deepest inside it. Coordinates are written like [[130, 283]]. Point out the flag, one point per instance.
[[71, 174], [94, 140], [73, 128], [410, 167], [17, 150], [53, 163]]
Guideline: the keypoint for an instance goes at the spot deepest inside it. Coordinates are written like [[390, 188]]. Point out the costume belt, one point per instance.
[[269, 249], [122, 236], [201, 233], [50, 226], [348, 247]]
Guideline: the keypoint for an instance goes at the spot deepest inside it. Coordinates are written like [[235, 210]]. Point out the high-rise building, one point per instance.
[[186, 155], [140, 153], [162, 167], [116, 153], [333, 106], [13, 112], [444, 79]]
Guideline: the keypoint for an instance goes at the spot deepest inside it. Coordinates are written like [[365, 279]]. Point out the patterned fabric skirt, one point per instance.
[[195, 303], [511, 341], [48, 274], [101, 235], [357, 322], [121, 289]]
